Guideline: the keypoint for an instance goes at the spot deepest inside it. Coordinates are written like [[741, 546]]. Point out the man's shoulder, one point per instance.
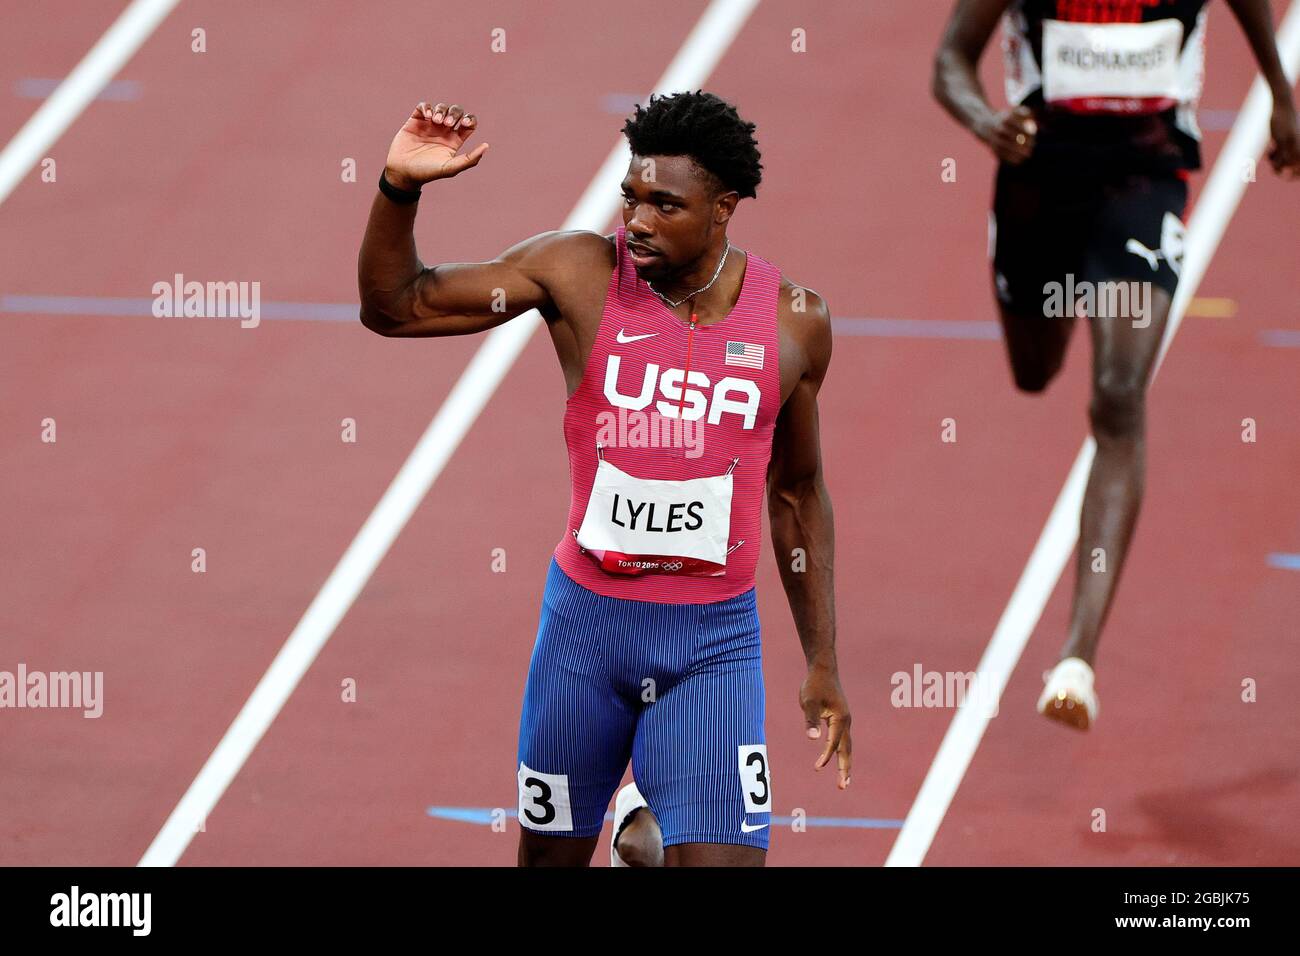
[[799, 307], [804, 322], [562, 246], [564, 260]]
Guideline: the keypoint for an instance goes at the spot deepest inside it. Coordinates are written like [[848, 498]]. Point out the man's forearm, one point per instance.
[[1257, 23], [957, 87], [388, 264], [803, 536]]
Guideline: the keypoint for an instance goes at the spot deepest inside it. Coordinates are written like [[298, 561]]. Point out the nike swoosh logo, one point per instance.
[[746, 828], [624, 338]]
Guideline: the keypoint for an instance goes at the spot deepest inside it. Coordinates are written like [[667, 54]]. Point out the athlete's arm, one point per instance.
[[399, 295], [1257, 22], [956, 84], [803, 535]]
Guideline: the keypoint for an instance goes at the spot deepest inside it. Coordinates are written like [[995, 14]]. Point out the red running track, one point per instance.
[[177, 434]]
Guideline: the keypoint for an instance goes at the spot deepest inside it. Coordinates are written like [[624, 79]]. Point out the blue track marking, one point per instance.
[[918, 328], [1285, 562], [40, 87], [1281, 338], [621, 104], [143, 308], [1216, 119]]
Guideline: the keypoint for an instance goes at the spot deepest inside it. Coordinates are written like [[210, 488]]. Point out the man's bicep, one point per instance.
[[796, 440], [499, 289]]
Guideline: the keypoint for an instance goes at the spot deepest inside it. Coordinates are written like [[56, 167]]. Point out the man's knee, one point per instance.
[[1034, 379], [538, 850], [1118, 405], [1035, 375], [641, 842], [1036, 348]]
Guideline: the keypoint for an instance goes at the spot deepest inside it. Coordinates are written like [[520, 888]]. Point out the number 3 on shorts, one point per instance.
[[544, 800], [754, 778]]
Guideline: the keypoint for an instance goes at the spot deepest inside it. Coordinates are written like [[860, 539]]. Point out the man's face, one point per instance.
[[671, 208]]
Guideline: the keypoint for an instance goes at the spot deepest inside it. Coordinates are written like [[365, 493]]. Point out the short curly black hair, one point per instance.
[[704, 127]]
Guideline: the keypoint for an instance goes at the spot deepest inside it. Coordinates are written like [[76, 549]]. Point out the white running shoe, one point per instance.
[[1070, 695], [628, 801]]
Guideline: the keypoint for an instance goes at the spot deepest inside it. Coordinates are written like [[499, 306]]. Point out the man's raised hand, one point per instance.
[[427, 146]]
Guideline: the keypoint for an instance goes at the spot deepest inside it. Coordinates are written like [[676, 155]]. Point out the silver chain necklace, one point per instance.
[[716, 272]]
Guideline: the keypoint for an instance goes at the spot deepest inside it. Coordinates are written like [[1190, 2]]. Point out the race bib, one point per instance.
[[655, 526], [1111, 67]]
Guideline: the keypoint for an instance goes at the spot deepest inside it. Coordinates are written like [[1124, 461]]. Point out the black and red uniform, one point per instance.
[[1113, 85]]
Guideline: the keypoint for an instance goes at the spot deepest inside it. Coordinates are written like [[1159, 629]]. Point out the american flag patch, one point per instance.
[[744, 355]]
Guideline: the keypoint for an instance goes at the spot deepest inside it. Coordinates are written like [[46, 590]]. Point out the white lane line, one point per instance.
[[695, 61], [83, 84], [1209, 219]]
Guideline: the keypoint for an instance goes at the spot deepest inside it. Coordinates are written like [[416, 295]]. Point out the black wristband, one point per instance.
[[402, 196]]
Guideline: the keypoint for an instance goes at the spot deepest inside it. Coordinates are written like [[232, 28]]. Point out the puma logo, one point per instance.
[[1152, 256], [1172, 244]]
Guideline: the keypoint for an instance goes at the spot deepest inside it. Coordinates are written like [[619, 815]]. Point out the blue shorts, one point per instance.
[[675, 688]]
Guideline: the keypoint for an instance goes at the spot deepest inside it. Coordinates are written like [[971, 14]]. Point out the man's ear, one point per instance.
[[724, 206]]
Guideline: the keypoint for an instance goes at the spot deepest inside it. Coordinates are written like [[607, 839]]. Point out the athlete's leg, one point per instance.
[[714, 854], [1122, 359], [640, 842], [1036, 346], [575, 734], [1035, 231], [538, 849], [1135, 249], [699, 757]]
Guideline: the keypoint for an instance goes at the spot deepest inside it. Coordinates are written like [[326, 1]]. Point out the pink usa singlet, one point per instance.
[[665, 401]]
